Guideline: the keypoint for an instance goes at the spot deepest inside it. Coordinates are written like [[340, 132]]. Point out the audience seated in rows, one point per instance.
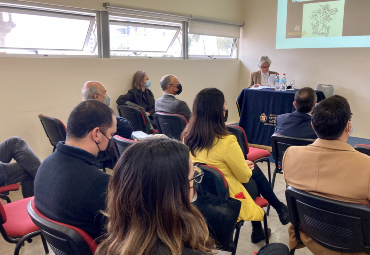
[[329, 167], [140, 94], [168, 103], [96, 90], [149, 206], [69, 187], [210, 142], [24, 168], [298, 123]]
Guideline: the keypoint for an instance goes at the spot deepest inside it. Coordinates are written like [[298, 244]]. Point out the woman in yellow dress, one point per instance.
[[210, 142]]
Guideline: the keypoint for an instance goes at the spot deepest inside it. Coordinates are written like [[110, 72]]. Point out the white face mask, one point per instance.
[[351, 131], [107, 100], [194, 197]]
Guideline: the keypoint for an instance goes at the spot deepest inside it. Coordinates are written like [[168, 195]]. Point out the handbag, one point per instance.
[[221, 215]]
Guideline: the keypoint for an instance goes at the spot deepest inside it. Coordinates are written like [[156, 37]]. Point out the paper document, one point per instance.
[[262, 87], [272, 79], [139, 135]]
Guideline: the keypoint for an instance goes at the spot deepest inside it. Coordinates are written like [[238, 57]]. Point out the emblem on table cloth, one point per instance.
[[263, 117]]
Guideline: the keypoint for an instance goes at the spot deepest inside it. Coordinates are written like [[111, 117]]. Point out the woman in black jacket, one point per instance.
[[140, 94]]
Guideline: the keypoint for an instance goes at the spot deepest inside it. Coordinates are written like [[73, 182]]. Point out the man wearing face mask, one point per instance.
[[69, 187], [329, 167], [168, 103], [96, 90]]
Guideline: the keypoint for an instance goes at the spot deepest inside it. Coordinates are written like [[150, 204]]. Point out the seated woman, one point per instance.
[[210, 142], [260, 78], [140, 94], [149, 206]]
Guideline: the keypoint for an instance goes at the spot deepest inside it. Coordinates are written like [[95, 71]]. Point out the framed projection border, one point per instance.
[[305, 34]]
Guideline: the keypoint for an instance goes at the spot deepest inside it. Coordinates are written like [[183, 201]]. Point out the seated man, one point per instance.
[[329, 167], [69, 187], [96, 90], [24, 168], [298, 123], [168, 103]]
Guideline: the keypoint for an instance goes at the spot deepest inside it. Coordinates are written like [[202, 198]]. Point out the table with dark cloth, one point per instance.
[[258, 110]]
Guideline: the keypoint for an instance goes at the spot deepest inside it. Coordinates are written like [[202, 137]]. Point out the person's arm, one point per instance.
[[184, 110], [124, 127], [234, 158], [123, 98], [251, 82]]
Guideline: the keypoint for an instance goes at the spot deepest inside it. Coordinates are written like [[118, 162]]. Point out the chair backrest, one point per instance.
[[214, 181], [134, 115], [363, 148], [240, 135], [327, 89], [62, 238], [120, 144], [281, 143], [54, 129], [171, 125], [338, 226]]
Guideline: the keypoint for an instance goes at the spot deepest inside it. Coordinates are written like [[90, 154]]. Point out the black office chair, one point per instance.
[[169, 124], [215, 183], [363, 148], [255, 155], [280, 144], [54, 128], [62, 238], [338, 226], [134, 115], [120, 144]]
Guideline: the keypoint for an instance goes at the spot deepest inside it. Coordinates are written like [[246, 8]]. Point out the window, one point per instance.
[[40, 32], [147, 40], [212, 46]]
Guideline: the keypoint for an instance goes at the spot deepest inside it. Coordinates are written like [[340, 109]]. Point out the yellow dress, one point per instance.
[[227, 156]]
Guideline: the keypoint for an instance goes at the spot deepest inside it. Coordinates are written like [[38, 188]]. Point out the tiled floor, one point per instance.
[[279, 233]]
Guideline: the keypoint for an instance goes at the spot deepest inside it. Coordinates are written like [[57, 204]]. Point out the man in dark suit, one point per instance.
[[168, 102], [298, 123]]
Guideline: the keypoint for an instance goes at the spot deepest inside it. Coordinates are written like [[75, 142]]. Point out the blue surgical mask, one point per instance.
[[148, 83]]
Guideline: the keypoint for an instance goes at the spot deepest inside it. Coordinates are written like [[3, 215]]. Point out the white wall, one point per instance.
[[52, 87], [346, 69]]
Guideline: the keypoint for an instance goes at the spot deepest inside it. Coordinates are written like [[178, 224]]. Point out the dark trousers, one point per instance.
[[259, 185], [274, 249], [23, 170]]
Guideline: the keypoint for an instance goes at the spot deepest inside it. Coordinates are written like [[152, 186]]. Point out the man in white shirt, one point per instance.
[[168, 103]]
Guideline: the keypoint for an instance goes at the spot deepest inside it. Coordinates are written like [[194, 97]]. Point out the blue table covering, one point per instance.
[[258, 110]]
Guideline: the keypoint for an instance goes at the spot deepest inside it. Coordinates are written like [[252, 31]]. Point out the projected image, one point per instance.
[[334, 23]]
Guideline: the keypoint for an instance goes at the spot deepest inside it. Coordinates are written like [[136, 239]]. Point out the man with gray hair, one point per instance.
[[96, 90], [260, 78], [168, 103]]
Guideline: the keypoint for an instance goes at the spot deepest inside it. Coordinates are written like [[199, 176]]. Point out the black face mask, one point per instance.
[[179, 89], [226, 114], [109, 143]]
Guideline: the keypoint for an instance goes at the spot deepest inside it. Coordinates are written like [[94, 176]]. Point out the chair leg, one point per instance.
[[266, 229], [269, 170], [21, 241], [45, 244], [291, 252], [273, 178], [236, 239]]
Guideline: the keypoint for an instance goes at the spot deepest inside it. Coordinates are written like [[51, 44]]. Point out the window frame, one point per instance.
[[60, 13], [214, 57]]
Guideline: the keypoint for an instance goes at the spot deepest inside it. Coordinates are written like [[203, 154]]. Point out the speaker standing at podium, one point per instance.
[[260, 78]]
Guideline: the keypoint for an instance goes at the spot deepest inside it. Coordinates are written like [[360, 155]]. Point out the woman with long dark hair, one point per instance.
[[210, 142], [149, 206]]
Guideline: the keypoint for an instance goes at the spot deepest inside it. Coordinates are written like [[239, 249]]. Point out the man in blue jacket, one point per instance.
[[298, 123], [96, 90]]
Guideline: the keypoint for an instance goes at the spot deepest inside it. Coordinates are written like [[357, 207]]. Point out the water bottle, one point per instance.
[[277, 82], [283, 83]]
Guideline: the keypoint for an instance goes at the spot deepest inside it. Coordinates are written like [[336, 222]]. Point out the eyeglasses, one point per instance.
[[175, 84], [265, 67], [198, 175]]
